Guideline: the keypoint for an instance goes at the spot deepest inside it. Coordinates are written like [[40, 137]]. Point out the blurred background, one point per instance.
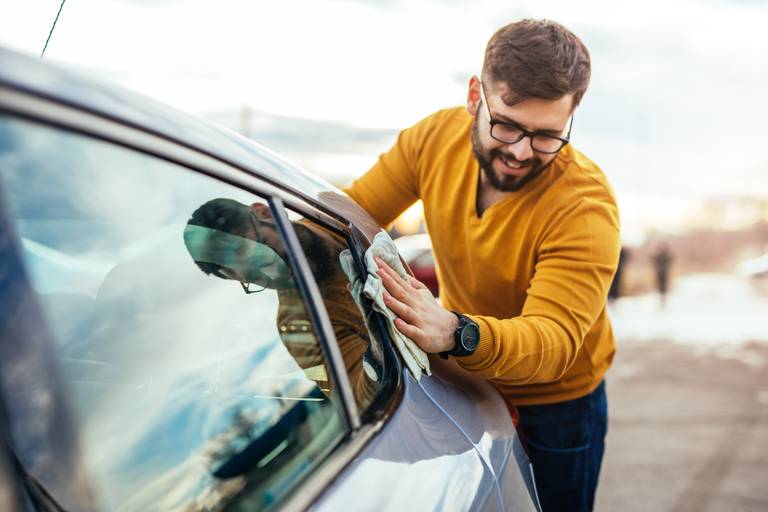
[[675, 115]]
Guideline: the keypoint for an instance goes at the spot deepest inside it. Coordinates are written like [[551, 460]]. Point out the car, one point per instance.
[[137, 373], [417, 252]]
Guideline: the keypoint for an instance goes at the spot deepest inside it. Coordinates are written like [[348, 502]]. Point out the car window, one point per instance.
[[350, 313], [187, 353]]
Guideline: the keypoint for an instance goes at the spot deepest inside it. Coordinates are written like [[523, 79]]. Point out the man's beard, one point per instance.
[[504, 183]]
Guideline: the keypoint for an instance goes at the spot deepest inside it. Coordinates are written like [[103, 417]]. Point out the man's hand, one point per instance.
[[419, 315]]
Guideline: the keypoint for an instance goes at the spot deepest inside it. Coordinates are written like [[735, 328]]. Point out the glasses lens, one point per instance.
[[506, 133], [250, 288], [546, 144]]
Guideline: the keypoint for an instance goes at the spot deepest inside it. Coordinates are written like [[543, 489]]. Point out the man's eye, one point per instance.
[[507, 129]]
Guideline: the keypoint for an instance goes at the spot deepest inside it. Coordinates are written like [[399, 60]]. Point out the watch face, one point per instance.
[[470, 336]]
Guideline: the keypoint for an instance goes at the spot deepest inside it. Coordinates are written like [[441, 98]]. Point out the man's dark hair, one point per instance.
[[230, 216], [537, 59], [225, 215]]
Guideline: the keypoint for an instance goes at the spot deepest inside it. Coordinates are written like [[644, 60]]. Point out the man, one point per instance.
[[526, 237]]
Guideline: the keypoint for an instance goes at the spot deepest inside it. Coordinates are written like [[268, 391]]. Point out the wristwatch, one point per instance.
[[466, 336]]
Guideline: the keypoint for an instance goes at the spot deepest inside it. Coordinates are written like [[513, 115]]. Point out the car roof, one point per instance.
[[32, 76], [53, 82]]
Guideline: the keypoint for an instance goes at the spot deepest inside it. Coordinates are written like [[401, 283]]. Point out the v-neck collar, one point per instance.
[[477, 216], [501, 203]]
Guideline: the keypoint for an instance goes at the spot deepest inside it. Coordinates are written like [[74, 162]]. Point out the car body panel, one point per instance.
[[477, 405], [470, 456], [399, 468]]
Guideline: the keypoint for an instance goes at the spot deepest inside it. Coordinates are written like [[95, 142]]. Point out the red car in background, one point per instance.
[[417, 252]]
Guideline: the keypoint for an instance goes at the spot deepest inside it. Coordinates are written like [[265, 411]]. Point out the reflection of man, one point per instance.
[[233, 241], [526, 239]]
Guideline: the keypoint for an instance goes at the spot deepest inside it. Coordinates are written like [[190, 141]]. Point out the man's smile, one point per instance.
[[511, 166]]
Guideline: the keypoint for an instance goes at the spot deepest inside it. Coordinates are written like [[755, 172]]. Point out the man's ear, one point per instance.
[[262, 211], [473, 96]]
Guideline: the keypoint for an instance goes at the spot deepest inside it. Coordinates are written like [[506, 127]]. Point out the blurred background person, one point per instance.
[[662, 260]]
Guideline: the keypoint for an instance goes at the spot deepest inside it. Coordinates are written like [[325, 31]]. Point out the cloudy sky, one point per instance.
[[676, 113]]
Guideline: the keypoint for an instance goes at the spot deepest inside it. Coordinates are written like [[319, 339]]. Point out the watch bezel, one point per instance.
[[469, 324], [460, 349]]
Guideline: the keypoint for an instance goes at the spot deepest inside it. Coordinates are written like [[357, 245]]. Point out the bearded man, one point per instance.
[[525, 233]]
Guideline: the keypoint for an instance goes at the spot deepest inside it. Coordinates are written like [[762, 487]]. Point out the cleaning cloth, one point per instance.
[[373, 288]]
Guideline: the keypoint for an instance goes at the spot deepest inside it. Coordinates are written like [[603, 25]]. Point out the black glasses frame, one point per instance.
[[248, 290], [523, 132], [256, 221]]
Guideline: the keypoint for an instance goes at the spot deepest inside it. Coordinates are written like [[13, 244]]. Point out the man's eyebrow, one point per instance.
[[549, 131], [509, 120]]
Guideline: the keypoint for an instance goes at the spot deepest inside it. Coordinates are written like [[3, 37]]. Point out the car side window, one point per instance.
[[350, 314], [188, 357]]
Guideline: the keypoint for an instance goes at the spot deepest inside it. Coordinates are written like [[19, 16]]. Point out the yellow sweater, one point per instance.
[[533, 271]]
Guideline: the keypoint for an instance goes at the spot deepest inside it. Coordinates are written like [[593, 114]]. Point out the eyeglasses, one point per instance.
[[510, 133], [228, 273], [250, 288]]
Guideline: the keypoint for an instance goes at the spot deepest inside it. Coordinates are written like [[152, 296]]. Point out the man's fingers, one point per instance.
[[401, 309], [392, 286], [405, 282], [384, 267], [409, 330], [392, 281]]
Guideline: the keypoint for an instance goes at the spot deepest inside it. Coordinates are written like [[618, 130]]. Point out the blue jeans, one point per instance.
[[565, 442]]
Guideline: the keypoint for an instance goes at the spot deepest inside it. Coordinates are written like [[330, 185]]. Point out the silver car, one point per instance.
[[144, 364]]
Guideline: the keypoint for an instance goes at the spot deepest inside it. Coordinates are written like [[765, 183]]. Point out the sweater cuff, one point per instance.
[[484, 348]]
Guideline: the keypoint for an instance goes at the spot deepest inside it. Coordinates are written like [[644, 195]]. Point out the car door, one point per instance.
[[477, 407], [180, 386]]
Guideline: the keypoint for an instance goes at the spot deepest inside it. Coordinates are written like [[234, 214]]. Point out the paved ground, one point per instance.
[[688, 429]]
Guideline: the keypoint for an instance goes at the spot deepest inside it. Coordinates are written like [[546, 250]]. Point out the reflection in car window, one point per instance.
[[350, 320], [186, 389]]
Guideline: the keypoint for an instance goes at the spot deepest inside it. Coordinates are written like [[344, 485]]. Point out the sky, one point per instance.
[[675, 114]]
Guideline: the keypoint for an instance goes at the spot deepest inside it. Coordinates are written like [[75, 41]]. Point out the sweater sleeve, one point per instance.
[[575, 265], [391, 185]]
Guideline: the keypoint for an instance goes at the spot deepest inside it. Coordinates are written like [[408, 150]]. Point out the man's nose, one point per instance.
[[521, 149]]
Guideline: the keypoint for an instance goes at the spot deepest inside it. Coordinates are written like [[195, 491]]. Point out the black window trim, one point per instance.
[[317, 312], [393, 367], [357, 243]]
